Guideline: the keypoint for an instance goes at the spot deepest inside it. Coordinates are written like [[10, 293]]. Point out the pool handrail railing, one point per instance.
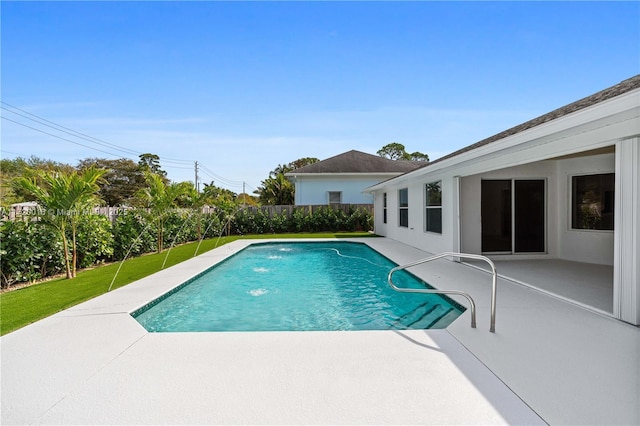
[[472, 305]]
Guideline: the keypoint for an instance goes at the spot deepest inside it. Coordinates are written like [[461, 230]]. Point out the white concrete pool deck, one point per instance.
[[549, 361]]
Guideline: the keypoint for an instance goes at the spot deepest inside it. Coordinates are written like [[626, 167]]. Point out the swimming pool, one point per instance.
[[302, 286]]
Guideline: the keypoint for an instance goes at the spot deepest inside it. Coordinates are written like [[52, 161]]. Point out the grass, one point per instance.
[[29, 304]]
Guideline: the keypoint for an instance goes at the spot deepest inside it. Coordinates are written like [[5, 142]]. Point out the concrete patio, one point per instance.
[[549, 361]]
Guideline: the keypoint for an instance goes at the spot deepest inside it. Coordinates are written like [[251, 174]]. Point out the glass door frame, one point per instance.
[[513, 218]]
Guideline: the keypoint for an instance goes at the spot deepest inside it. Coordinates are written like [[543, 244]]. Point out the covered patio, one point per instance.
[[526, 218], [585, 284], [556, 195]]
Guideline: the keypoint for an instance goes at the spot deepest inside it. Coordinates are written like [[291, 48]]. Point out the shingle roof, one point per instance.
[[359, 162], [613, 91]]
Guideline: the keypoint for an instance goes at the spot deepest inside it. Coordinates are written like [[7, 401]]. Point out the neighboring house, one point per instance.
[[342, 179], [564, 187]]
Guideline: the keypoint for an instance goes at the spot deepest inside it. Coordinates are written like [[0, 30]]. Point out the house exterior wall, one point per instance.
[[468, 211], [589, 246], [415, 233], [561, 241], [470, 189], [599, 139], [542, 152], [313, 190]]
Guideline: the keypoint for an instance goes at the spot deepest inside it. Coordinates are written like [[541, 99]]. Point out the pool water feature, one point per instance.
[[302, 286]]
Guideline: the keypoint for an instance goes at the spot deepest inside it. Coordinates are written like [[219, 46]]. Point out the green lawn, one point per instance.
[[27, 305]]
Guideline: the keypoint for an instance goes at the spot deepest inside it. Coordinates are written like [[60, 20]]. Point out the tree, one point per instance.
[[151, 163], [286, 168], [301, 162], [160, 198], [214, 193], [277, 190], [397, 151], [196, 200], [63, 197], [281, 169], [247, 199], [418, 156], [393, 151], [122, 180], [20, 167]]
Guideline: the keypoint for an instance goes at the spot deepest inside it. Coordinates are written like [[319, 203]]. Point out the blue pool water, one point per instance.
[[298, 286]]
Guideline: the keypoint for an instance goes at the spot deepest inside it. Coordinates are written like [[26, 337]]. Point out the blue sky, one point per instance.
[[241, 87]]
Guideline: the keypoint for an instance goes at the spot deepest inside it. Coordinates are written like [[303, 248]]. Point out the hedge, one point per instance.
[[31, 251]]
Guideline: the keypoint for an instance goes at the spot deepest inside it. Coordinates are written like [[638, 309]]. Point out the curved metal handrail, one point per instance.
[[472, 304]]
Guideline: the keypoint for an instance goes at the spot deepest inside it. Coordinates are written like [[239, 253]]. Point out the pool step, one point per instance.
[[426, 315]]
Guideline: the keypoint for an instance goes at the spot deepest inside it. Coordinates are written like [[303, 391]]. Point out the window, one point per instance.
[[433, 207], [592, 201], [384, 208], [403, 206], [335, 197]]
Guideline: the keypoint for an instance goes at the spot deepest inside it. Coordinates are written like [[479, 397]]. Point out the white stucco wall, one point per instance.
[[470, 218], [313, 190], [589, 246], [561, 241], [415, 233], [579, 143]]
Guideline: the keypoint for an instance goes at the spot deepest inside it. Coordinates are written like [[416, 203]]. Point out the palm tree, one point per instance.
[[161, 197], [196, 200], [277, 190], [63, 197]]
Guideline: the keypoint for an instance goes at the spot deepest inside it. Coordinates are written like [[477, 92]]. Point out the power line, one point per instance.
[[223, 182], [227, 182], [48, 123], [63, 129], [178, 163], [212, 174], [80, 144], [251, 187], [59, 137], [220, 181], [14, 153], [173, 160], [177, 167]]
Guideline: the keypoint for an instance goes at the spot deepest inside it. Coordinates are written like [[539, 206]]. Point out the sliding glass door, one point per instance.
[[513, 216]]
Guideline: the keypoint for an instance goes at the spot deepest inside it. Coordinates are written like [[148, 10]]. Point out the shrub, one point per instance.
[[241, 223], [212, 225], [179, 227], [94, 240], [301, 221], [322, 219], [29, 251], [280, 223], [359, 219], [133, 233]]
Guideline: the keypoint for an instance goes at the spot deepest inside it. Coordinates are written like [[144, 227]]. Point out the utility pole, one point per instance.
[[197, 185]]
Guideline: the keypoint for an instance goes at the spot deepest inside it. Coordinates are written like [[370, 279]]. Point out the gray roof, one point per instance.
[[359, 162], [613, 91]]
